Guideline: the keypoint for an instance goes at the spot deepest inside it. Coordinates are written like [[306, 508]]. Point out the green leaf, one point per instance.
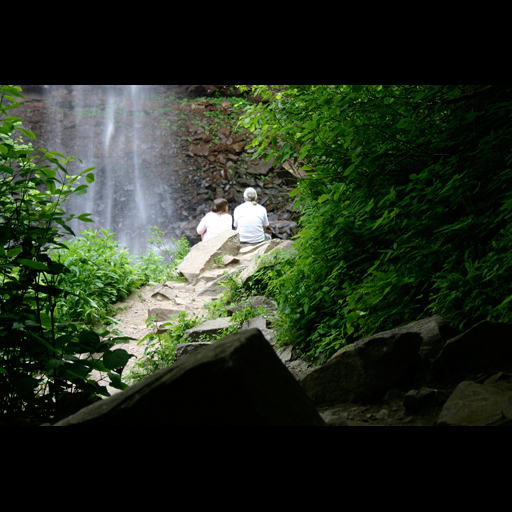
[[85, 217], [407, 124], [115, 381], [28, 133], [116, 359], [32, 264], [50, 185], [12, 253], [26, 385], [90, 177], [6, 128], [14, 90], [323, 198], [3, 149], [6, 169], [349, 170]]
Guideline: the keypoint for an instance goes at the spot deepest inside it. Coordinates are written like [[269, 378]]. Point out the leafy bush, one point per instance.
[[100, 273], [406, 206], [42, 361]]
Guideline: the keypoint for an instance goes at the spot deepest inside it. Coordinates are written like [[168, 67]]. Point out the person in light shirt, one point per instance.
[[215, 221], [250, 219]]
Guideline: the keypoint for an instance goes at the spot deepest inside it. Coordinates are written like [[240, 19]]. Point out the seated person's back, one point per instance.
[[216, 221], [250, 218]]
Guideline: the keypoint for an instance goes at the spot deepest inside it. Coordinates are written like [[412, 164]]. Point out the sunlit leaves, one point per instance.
[[402, 179]]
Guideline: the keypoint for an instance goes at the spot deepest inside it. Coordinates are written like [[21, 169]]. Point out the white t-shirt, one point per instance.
[[213, 224], [249, 221]]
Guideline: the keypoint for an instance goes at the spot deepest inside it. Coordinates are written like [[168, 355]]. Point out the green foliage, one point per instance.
[[41, 359], [160, 350], [100, 272], [406, 206]]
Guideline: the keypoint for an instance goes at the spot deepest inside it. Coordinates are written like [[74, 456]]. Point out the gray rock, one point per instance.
[[214, 289], [259, 301], [164, 293], [163, 314], [382, 415], [202, 255], [473, 404], [236, 381], [286, 354], [185, 349], [230, 260], [258, 322], [256, 302], [417, 399], [208, 328], [251, 249], [434, 332], [267, 248], [486, 347], [269, 335], [365, 370]]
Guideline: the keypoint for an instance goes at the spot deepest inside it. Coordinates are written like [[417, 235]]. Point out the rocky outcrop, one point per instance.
[[473, 404], [468, 383], [202, 255], [236, 381], [485, 347], [365, 370]]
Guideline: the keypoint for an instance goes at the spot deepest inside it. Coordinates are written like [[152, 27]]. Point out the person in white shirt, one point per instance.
[[216, 221], [250, 218]]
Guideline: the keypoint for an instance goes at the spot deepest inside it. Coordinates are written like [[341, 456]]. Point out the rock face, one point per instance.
[[236, 381], [188, 158]]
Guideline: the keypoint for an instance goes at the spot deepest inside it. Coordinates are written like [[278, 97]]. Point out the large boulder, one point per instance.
[[202, 255], [185, 349], [238, 380], [268, 247], [485, 348], [473, 404], [365, 370], [434, 331]]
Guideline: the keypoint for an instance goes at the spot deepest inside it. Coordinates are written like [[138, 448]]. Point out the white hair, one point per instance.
[[250, 195]]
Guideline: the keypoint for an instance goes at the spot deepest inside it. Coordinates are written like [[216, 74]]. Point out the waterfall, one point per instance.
[[110, 128]]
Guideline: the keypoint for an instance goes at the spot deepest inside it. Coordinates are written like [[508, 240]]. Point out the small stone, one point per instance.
[[382, 415]]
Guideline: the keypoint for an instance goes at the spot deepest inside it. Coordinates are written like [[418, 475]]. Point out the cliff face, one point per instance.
[[162, 155]]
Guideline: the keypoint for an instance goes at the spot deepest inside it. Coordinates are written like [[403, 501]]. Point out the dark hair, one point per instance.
[[219, 206]]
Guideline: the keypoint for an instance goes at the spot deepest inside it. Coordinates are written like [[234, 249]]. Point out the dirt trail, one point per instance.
[[133, 313]]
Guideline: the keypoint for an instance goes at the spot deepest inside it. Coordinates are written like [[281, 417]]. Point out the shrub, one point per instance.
[[405, 209], [100, 273], [42, 361]]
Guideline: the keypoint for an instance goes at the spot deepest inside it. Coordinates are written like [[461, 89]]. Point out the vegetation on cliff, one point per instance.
[[406, 206]]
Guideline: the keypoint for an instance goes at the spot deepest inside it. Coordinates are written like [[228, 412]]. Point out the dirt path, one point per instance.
[[133, 313]]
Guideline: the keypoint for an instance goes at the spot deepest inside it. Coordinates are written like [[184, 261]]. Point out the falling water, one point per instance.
[[107, 127]]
